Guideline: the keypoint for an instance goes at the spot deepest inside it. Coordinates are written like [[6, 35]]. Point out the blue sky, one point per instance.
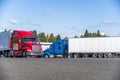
[[64, 17]]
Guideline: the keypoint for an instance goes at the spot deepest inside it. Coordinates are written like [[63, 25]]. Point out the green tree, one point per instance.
[[98, 34], [57, 37], [75, 36], [66, 38], [94, 35], [46, 38], [41, 37], [81, 36], [86, 34], [51, 38], [35, 33]]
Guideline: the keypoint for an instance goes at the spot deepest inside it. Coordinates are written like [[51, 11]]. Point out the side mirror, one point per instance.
[[21, 42]]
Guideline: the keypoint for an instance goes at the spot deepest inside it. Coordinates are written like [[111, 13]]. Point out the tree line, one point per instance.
[[94, 34], [46, 37], [52, 38]]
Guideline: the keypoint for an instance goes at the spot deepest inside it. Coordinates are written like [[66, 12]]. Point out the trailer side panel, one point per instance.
[[5, 40], [94, 45]]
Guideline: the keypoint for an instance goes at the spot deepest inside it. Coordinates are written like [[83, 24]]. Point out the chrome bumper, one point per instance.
[[33, 54]]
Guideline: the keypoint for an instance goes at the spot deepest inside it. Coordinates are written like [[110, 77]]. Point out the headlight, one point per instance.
[[29, 50]]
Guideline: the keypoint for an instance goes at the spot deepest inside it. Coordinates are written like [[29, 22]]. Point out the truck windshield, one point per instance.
[[29, 40]]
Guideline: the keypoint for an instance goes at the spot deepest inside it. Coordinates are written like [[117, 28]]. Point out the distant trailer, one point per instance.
[[45, 45]]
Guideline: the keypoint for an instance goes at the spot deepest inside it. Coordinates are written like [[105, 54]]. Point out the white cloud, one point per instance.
[[108, 22], [13, 21]]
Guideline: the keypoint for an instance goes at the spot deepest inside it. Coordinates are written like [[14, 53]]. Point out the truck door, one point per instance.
[[58, 48], [15, 43], [15, 40]]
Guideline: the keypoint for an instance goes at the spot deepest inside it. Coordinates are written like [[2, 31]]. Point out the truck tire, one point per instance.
[[0, 54], [75, 55], [68, 56], [94, 55], [5, 54], [46, 56], [65, 55], [80, 55], [101, 55], [9, 54], [109, 55], [24, 54], [71, 55]]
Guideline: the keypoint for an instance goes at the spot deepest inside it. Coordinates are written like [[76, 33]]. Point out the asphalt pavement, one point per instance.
[[59, 69]]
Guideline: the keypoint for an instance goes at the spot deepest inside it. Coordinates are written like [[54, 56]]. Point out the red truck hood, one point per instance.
[[29, 46]]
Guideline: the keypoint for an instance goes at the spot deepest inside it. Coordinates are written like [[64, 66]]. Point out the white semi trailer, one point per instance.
[[5, 42], [94, 47], [85, 47]]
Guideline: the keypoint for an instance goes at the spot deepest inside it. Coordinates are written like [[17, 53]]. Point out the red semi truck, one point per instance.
[[19, 43]]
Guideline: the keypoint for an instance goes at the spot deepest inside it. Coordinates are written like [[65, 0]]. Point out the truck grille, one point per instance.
[[35, 48]]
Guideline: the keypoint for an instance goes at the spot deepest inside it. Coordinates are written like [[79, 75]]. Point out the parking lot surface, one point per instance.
[[59, 69]]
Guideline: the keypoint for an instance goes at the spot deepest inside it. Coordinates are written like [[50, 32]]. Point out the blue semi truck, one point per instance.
[[58, 48], [84, 47]]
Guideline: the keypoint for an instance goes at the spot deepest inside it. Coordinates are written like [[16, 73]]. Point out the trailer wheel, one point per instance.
[[24, 54], [94, 55], [75, 55], [109, 55], [71, 55], [118, 55], [105, 55], [80, 55], [5, 54]]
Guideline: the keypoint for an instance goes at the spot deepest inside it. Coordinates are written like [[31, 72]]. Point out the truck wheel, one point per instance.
[[80, 55], [68, 56], [75, 55], [65, 55], [24, 54], [46, 56], [9, 54], [71, 55], [109, 55], [5, 54]]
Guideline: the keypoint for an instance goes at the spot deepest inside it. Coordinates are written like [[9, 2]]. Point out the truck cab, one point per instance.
[[58, 48], [24, 43]]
